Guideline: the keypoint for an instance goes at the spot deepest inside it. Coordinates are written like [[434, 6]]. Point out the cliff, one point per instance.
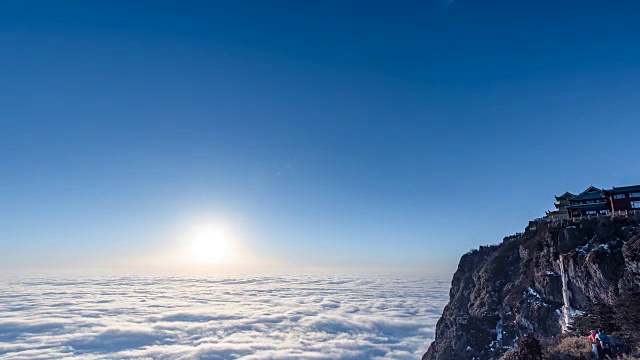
[[535, 282]]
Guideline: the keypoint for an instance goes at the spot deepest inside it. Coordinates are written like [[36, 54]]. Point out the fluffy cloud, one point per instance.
[[293, 317]]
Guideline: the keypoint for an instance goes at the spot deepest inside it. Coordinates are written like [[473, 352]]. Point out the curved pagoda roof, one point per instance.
[[566, 196], [590, 193]]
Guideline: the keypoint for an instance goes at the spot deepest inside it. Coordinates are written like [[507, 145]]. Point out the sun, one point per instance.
[[209, 245]]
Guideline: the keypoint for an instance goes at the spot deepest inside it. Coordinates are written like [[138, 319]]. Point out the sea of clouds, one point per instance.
[[277, 317]]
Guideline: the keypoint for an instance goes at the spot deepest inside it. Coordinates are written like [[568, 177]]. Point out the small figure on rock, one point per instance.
[[605, 343], [595, 344]]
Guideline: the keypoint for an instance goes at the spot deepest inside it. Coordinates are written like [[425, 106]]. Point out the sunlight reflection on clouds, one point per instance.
[[294, 317]]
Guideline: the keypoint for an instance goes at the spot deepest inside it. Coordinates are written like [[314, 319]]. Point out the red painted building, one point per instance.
[[624, 198]]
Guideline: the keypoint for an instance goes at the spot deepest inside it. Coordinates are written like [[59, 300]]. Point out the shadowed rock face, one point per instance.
[[499, 293]]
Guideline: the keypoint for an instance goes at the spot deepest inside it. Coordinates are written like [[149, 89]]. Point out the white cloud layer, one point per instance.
[[292, 317]]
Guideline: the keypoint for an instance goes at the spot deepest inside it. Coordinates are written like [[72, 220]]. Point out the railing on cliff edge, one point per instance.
[[572, 221], [569, 221]]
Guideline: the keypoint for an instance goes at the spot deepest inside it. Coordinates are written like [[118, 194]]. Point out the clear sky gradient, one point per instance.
[[324, 133]]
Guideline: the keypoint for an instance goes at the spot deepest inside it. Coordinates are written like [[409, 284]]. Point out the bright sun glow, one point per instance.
[[209, 245]]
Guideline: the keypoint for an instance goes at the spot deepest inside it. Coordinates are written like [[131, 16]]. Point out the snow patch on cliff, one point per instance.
[[532, 292]]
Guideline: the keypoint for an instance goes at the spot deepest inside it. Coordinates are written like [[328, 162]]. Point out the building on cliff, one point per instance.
[[590, 202], [561, 211], [537, 281], [595, 202]]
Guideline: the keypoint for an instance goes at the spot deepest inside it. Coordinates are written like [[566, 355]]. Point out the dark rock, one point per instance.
[[501, 293]]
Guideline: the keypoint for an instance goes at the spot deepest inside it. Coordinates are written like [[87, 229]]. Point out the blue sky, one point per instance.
[[325, 133]]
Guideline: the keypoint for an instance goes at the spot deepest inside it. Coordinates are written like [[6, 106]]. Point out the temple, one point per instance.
[[595, 202], [592, 201], [561, 211]]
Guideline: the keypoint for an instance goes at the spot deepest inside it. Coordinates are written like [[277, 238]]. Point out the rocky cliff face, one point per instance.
[[535, 282]]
